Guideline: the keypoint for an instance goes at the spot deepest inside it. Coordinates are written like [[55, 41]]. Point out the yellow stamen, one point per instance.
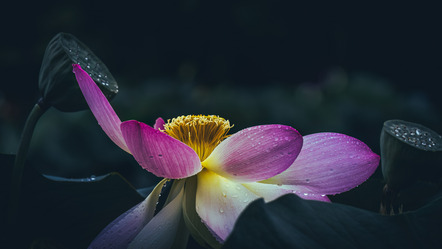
[[200, 132]]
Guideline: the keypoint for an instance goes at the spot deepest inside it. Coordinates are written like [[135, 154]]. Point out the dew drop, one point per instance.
[[221, 210]]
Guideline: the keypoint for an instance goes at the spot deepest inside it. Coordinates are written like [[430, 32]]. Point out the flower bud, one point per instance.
[[409, 152], [57, 84]]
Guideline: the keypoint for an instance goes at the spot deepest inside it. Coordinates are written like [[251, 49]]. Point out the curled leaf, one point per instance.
[[56, 82], [409, 152]]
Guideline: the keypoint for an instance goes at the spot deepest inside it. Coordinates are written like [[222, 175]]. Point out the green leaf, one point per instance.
[[65, 213], [291, 222]]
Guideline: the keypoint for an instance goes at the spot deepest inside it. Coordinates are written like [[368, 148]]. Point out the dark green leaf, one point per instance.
[[291, 222], [66, 213]]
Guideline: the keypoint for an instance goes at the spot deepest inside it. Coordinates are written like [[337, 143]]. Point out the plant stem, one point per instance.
[[20, 158]]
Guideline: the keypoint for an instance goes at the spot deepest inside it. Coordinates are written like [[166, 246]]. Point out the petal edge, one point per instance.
[[100, 107]]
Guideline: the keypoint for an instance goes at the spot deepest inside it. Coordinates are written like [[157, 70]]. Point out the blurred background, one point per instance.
[[336, 68]]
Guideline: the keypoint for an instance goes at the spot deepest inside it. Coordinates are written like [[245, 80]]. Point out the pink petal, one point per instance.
[[160, 232], [159, 124], [219, 202], [255, 153], [271, 191], [120, 232], [158, 152], [329, 163], [100, 107]]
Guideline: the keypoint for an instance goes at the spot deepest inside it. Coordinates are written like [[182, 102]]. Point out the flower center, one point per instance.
[[200, 132]]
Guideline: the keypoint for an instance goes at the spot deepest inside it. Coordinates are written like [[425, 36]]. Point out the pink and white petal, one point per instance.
[[219, 202], [100, 107], [120, 232], [158, 152], [329, 163], [271, 191], [160, 232], [255, 153], [159, 124]]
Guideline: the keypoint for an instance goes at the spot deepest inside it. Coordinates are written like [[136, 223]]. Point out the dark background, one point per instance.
[[340, 68]]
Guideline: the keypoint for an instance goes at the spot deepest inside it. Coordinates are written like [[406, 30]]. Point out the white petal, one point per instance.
[[219, 202]]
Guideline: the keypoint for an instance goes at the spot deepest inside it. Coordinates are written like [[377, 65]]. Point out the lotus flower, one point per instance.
[[264, 161]]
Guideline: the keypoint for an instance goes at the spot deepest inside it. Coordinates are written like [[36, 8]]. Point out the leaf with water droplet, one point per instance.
[[409, 152], [57, 83], [71, 212]]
